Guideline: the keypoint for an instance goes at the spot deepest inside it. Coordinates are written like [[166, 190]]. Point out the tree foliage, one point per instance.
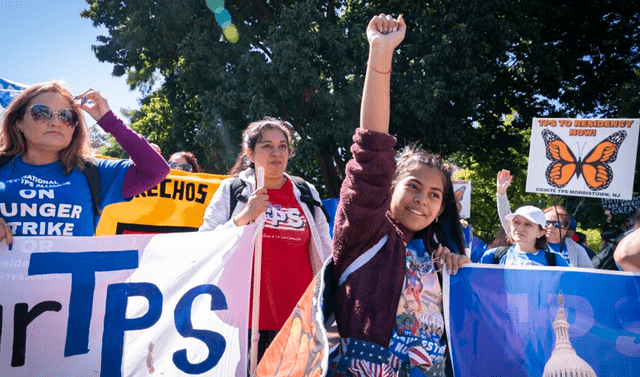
[[463, 67]]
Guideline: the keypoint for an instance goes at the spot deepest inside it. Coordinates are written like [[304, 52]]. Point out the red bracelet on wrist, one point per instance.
[[380, 72]]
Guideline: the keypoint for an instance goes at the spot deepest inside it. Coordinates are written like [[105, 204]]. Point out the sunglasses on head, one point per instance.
[[176, 166], [44, 114], [556, 224]]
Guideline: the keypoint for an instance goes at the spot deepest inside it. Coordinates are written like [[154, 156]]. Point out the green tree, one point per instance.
[[462, 67]]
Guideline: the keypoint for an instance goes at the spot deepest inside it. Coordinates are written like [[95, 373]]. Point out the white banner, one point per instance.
[[583, 157], [130, 305]]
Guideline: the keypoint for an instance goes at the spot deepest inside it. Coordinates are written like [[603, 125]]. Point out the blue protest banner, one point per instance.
[[511, 321]]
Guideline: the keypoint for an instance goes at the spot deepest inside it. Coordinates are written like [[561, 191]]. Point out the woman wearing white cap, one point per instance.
[[556, 225], [528, 236]]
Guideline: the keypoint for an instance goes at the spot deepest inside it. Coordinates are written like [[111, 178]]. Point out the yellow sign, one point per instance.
[[177, 204]]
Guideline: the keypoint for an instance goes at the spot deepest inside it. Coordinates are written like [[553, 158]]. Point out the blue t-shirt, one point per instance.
[[475, 245], [555, 247], [40, 200], [515, 257]]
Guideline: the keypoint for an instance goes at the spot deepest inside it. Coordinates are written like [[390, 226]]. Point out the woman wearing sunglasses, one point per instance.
[[556, 226], [43, 191], [184, 161]]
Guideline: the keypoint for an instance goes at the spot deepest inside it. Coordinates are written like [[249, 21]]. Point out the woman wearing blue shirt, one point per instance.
[[529, 237], [45, 150]]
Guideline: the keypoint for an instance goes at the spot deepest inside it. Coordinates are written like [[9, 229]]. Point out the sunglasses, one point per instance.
[[44, 114], [176, 166], [556, 224]]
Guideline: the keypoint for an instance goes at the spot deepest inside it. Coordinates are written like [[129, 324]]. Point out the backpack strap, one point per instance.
[[499, 253], [307, 198], [237, 186], [551, 258], [93, 179]]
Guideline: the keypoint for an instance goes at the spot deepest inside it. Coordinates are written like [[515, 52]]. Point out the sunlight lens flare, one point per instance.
[[223, 18], [214, 5], [231, 33]]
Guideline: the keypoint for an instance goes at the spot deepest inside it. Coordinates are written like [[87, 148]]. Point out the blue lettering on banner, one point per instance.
[[82, 267], [626, 312], [116, 323], [214, 341]]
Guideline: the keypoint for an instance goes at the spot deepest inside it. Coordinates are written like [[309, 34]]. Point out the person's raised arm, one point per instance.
[[384, 34], [503, 181], [149, 167]]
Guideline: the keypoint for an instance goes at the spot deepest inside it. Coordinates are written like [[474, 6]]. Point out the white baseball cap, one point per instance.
[[531, 213]]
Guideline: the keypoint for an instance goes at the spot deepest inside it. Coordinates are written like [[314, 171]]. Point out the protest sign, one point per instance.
[[177, 204], [583, 157], [621, 207], [545, 321], [132, 305], [462, 192]]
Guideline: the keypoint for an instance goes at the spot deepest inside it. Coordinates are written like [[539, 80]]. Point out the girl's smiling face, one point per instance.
[[417, 199]]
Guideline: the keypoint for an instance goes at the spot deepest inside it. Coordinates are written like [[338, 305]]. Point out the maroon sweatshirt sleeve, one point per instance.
[[148, 169], [365, 196]]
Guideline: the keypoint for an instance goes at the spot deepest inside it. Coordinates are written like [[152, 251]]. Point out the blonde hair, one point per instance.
[[13, 142]]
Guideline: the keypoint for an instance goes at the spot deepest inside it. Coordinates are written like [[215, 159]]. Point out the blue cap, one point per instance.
[[572, 223]]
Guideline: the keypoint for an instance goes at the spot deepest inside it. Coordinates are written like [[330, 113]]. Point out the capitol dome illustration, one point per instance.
[[564, 361]]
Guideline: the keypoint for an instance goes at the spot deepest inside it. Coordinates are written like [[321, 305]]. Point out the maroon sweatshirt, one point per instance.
[[368, 299], [148, 169]]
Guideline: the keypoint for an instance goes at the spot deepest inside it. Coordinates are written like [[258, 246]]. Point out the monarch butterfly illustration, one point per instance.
[[594, 168], [459, 194]]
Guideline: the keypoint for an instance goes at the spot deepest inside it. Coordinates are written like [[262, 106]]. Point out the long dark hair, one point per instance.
[[446, 227], [541, 242], [253, 135]]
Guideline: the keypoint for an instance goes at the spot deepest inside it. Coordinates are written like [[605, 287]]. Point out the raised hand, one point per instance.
[[93, 103], [384, 29], [503, 181], [384, 34]]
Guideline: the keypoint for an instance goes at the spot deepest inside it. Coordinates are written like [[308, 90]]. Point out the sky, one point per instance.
[[44, 40]]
